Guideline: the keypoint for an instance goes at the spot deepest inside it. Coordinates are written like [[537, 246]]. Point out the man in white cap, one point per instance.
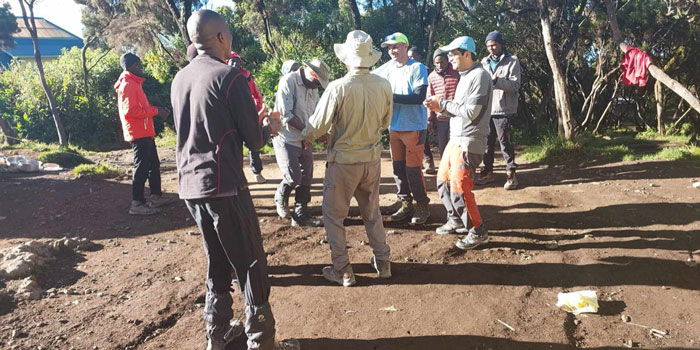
[[470, 113], [296, 99], [357, 109], [408, 129]]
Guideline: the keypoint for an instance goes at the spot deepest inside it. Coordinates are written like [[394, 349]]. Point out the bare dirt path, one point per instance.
[[622, 229]]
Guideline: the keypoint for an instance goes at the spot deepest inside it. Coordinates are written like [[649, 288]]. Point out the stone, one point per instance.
[[30, 289], [20, 261]]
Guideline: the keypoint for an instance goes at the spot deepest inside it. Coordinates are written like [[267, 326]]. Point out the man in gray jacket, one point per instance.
[[505, 73], [469, 112]]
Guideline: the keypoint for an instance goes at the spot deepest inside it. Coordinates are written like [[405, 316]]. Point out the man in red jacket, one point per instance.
[[137, 115], [256, 164]]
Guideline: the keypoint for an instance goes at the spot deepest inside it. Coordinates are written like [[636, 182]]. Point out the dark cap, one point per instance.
[[127, 60], [495, 36]]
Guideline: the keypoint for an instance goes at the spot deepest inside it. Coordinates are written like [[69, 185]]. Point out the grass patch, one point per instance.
[[615, 146], [267, 149], [102, 170], [65, 157], [167, 138]]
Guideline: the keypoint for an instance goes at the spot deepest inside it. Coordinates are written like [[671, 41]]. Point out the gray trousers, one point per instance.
[[341, 183], [499, 128], [297, 167], [232, 242]]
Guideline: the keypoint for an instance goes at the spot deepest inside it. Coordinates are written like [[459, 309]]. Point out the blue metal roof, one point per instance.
[[52, 39], [24, 48]]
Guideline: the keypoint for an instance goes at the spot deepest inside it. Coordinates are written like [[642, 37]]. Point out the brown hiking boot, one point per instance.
[[403, 213], [421, 214]]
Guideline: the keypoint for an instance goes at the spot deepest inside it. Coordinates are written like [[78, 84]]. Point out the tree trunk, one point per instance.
[[370, 5], [655, 71], [181, 17], [658, 93], [8, 131], [561, 91], [268, 32], [31, 27], [355, 13], [432, 31]]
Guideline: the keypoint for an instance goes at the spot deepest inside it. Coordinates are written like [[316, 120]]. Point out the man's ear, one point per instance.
[[220, 37]]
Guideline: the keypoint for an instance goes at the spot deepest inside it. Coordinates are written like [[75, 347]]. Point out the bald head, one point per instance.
[[210, 34]]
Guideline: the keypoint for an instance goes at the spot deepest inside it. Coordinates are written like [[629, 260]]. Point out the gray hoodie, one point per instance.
[[470, 110], [507, 87]]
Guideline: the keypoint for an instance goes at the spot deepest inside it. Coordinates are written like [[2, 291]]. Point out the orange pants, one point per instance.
[[455, 181]]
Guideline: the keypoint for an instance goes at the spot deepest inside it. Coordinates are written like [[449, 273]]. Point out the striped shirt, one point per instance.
[[443, 85]]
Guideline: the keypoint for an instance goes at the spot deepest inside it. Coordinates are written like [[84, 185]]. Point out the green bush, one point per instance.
[[102, 170], [66, 158], [89, 113]]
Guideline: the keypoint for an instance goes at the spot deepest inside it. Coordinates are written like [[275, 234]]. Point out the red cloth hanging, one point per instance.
[[634, 67]]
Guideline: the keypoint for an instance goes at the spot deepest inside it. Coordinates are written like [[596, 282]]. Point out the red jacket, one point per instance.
[[443, 85], [135, 112], [254, 91]]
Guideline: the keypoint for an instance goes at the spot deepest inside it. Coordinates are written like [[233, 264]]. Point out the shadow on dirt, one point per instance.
[[94, 209], [613, 271]]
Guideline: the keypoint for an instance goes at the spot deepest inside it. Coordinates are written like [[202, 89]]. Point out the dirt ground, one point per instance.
[[624, 230]]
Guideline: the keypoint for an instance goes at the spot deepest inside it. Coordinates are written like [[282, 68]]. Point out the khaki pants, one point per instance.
[[407, 156], [342, 182]]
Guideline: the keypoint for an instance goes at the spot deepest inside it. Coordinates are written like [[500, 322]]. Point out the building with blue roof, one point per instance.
[[52, 39]]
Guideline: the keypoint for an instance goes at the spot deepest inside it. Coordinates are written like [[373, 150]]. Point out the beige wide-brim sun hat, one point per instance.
[[357, 50], [321, 69]]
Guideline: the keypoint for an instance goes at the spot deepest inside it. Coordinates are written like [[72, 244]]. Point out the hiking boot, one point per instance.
[[484, 178], [219, 342], [450, 227], [141, 208], [512, 181], [475, 237], [404, 212], [159, 200], [429, 167], [306, 220], [287, 344], [421, 214], [259, 178], [344, 277], [383, 267]]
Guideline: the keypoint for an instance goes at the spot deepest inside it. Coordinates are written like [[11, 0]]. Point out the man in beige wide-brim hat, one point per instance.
[[357, 109], [296, 99]]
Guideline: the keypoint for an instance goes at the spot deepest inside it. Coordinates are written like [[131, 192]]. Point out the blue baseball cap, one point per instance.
[[463, 42]]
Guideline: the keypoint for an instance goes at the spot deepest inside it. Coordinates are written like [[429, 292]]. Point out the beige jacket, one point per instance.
[[356, 109]]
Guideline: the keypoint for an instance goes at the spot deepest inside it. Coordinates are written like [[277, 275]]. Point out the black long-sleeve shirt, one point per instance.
[[214, 115]]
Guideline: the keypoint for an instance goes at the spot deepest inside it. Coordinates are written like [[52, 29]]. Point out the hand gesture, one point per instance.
[[433, 103], [163, 112], [274, 123]]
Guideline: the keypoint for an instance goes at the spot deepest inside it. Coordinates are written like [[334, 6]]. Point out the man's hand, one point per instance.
[[163, 112], [308, 144], [274, 123], [323, 139], [433, 103]]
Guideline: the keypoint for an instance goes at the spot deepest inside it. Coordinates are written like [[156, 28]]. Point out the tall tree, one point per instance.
[[355, 13], [181, 10], [8, 26], [561, 90], [28, 5]]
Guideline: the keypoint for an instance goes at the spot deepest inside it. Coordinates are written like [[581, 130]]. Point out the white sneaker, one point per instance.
[[511, 182], [259, 178]]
